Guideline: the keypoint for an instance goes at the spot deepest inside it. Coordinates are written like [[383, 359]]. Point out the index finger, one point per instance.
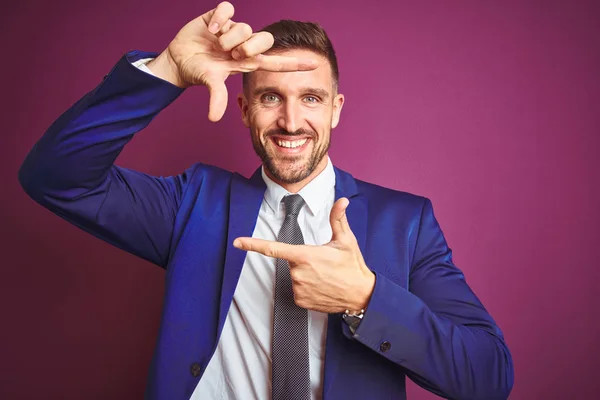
[[290, 252], [285, 64]]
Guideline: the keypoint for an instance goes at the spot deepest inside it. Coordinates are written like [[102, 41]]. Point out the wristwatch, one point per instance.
[[353, 318]]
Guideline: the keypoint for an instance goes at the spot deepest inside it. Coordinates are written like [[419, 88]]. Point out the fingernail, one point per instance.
[[237, 243], [214, 28], [236, 54]]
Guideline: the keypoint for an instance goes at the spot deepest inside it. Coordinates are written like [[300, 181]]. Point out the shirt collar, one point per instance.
[[312, 193]]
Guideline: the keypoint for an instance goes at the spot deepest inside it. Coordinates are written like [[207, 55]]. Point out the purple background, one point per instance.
[[491, 109]]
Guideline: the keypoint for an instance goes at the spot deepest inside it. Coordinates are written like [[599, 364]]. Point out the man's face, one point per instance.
[[290, 116]]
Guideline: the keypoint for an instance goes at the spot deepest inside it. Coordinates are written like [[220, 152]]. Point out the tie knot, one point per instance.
[[293, 204]]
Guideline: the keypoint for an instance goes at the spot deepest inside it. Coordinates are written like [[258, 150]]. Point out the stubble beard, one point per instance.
[[295, 173]]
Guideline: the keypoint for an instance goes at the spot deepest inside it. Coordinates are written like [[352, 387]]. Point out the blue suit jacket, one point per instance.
[[437, 331]]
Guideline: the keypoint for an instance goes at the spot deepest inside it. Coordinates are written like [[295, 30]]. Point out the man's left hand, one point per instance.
[[331, 278]]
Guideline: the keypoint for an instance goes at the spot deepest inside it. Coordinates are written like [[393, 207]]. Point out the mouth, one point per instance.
[[290, 146]]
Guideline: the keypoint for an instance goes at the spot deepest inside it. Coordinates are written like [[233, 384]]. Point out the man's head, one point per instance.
[[291, 114]]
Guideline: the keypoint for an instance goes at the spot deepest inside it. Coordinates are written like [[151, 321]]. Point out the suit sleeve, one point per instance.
[[71, 170], [438, 331]]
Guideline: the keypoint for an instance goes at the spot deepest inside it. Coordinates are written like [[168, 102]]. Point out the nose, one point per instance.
[[290, 117]]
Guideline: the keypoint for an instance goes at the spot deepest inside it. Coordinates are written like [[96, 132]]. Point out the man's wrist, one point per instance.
[[164, 67], [362, 296]]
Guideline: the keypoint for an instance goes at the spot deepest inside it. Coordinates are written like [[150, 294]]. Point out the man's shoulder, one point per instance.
[[378, 195], [385, 195], [207, 176], [205, 170]]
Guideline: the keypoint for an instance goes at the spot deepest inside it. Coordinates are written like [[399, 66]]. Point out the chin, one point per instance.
[[288, 168], [286, 173]]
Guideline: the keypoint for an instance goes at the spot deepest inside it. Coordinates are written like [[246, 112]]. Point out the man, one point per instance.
[[346, 286]]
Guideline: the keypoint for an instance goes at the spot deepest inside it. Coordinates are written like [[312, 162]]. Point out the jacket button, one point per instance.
[[195, 369], [385, 346]]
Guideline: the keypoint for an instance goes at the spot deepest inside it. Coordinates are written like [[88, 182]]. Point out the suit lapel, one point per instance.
[[244, 204], [345, 186]]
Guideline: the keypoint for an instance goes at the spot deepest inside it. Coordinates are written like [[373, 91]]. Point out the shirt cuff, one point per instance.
[[141, 64]]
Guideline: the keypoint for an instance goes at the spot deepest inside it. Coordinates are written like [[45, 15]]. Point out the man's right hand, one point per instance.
[[211, 47]]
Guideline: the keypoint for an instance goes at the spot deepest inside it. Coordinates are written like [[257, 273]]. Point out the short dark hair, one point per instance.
[[291, 35]]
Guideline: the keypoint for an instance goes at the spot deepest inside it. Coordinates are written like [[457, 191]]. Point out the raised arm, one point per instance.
[[71, 169]]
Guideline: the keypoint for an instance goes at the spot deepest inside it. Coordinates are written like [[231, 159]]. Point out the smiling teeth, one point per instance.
[[291, 145]]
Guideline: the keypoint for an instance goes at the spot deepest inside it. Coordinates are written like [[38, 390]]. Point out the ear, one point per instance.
[[338, 103], [243, 103]]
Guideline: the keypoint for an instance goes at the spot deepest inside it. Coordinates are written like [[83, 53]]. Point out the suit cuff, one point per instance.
[[125, 80], [389, 324], [139, 59]]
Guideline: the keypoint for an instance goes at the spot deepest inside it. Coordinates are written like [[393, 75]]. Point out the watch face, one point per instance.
[[358, 314]]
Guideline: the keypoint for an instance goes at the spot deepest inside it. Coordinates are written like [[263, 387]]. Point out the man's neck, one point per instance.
[[296, 187]]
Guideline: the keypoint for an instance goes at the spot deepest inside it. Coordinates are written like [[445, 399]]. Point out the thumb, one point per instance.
[[338, 220], [218, 99]]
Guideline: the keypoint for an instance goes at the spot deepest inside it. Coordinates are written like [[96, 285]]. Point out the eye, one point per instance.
[[311, 99], [270, 98]]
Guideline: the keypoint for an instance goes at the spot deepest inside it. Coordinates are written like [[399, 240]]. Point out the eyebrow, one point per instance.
[[323, 94]]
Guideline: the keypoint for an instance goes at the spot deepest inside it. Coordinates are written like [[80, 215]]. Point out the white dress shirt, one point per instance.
[[240, 368]]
